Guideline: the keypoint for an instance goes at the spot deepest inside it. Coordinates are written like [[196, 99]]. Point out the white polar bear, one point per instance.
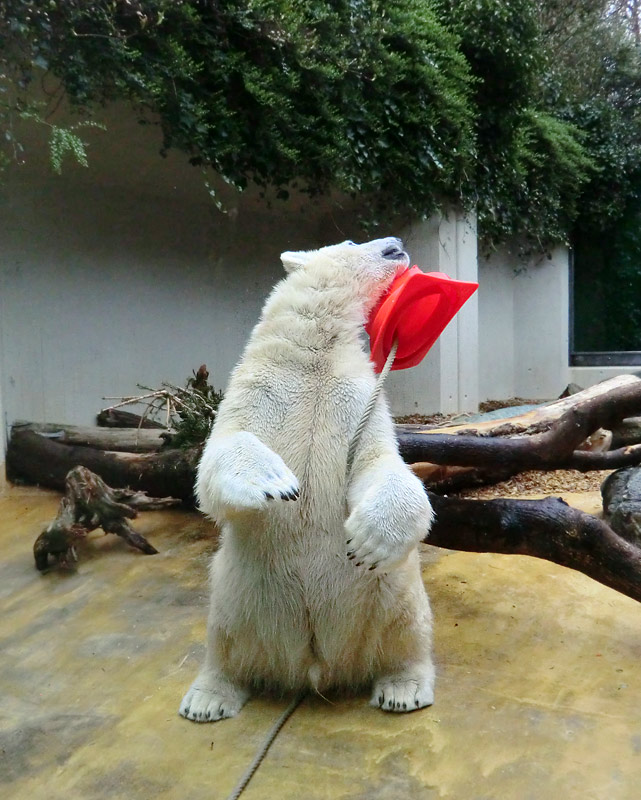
[[317, 582]]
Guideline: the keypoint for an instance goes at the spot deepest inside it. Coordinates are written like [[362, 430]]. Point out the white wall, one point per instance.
[[101, 289], [524, 334], [3, 439], [588, 376], [126, 273]]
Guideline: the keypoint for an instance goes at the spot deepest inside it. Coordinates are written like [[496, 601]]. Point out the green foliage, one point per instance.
[[592, 79], [526, 110], [500, 40], [369, 98], [531, 165], [64, 141], [196, 408], [608, 285], [539, 182]]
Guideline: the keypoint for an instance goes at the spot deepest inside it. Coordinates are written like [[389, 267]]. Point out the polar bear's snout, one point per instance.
[[394, 250]]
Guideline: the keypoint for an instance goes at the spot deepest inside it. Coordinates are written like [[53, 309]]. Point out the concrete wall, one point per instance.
[[126, 273], [588, 376], [3, 439], [524, 334], [102, 289]]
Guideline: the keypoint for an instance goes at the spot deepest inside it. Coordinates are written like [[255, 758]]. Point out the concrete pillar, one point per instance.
[[541, 326], [447, 379], [524, 324], [459, 349]]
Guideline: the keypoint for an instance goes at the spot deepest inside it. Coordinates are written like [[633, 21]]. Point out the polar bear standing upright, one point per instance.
[[317, 581]]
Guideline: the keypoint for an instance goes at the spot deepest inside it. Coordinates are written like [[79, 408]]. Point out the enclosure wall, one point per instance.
[[127, 274]]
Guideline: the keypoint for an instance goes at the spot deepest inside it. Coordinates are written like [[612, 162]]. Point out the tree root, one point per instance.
[[88, 504]]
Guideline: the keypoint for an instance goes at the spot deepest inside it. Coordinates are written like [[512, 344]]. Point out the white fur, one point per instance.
[[316, 584]]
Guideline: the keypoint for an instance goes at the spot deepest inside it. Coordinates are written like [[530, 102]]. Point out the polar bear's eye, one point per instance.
[[349, 241]]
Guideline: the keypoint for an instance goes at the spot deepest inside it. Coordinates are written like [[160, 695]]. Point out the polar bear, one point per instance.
[[316, 584]]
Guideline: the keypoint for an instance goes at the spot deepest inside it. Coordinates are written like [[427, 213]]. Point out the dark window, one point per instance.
[[605, 297]]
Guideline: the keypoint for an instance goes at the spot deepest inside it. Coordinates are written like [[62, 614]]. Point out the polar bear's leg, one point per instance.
[[239, 473], [406, 680], [212, 696]]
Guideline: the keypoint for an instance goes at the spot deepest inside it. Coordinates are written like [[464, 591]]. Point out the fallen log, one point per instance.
[[88, 504], [46, 462], [542, 417], [550, 437], [128, 440], [446, 459], [621, 493], [548, 529], [627, 432]]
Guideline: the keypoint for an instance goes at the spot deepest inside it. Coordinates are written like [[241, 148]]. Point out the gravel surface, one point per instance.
[[525, 483], [538, 482]]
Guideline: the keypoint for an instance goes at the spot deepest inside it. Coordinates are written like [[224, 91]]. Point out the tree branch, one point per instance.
[[549, 529]]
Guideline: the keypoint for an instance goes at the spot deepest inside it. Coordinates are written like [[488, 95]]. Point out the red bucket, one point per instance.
[[415, 310]]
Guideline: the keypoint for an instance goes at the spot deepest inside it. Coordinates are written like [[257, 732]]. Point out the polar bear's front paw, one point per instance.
[[370, 546], [239, 472], [210, 701], [265, 483], [387, 522], [403, 694]]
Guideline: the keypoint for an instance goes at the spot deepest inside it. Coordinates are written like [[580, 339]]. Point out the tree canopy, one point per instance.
[[526, 110]]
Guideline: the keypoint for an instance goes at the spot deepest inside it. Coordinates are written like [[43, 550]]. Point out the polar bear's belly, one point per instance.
[[308, 620]]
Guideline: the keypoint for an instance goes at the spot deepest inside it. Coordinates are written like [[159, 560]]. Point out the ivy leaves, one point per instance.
[[406, 104]]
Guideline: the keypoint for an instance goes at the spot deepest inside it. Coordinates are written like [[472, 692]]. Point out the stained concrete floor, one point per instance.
[[538, 692]]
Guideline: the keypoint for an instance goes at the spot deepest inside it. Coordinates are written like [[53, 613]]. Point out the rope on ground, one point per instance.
[[269, 740]]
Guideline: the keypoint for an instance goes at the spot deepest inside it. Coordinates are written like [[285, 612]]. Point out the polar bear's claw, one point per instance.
[[240, 472], [371, 549]]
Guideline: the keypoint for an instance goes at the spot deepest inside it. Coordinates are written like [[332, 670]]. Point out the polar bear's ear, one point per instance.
[[294, 260]]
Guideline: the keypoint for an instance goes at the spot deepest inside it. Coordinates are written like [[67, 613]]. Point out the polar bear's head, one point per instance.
[[372, 265]]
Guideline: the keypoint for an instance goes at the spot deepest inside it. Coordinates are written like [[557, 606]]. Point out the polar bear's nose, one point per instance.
[[394, 250]]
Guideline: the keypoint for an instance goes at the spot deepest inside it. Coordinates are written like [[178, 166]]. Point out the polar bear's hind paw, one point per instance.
[[403, 695], [201, 704]]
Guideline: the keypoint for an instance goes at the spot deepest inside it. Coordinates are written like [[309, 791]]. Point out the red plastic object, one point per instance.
[[416, 310]]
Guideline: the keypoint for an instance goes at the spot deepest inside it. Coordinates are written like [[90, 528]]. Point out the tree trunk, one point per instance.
[[627, 432], [128, 440], [547, 438], [46, 462], [117, 418], [547, 529], [621, 492]]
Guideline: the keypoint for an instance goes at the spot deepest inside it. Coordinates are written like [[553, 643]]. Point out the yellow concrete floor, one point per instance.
[[538, 693]]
